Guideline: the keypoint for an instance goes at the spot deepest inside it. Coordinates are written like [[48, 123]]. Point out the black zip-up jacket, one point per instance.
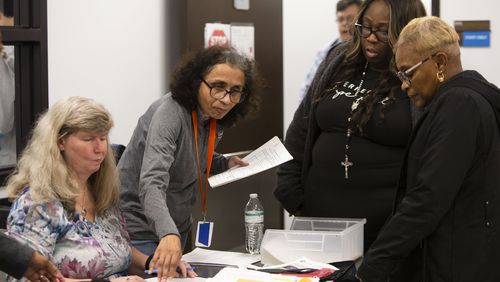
[[445, 225]]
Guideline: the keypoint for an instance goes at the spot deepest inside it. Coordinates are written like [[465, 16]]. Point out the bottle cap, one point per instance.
[[253, 195]]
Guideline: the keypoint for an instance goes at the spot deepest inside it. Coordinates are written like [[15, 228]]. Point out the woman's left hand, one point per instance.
[[234, 161]]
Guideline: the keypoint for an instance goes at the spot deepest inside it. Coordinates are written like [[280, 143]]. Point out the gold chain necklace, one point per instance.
[[84, 210], [346, 163]]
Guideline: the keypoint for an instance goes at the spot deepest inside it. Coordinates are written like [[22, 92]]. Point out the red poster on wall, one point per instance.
[[217, 34]]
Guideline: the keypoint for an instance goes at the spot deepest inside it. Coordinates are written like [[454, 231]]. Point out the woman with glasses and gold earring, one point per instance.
[[165, 162], [445, 222], [349, 134]]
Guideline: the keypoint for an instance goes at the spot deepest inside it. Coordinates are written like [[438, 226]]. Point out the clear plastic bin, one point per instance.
[[320, 239]]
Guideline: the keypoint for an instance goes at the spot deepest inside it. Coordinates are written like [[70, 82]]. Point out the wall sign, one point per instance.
[[473, 33], [217, 34], [240, 36], [476, 38]]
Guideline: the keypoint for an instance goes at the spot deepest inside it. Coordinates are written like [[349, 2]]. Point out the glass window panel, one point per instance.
[[7, 100], [6, 12]]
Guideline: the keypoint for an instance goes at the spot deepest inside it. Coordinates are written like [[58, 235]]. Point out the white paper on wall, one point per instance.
[[243, 39]]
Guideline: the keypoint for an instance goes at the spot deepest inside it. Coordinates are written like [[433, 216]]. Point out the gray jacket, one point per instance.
[[158, 170]]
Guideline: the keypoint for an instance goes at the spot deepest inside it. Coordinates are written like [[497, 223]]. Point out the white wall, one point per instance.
[[113, 51], [307, 26], [483, 59]]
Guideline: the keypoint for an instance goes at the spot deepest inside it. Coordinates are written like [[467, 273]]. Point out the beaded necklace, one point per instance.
[[346, 163]]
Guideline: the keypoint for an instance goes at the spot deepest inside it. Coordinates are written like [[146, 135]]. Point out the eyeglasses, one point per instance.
[[405, 76], [366, 31], [217, 92]]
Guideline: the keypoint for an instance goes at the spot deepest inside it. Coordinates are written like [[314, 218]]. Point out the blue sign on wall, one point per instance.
[[476, 39]]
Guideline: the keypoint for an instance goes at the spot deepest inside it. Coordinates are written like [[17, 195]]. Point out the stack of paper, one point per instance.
[[245, 275], [220, 257], [269, 155], [302, 262], [196, 279]]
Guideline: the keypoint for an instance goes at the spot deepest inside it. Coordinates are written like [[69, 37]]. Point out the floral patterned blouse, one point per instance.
[[80, 249]]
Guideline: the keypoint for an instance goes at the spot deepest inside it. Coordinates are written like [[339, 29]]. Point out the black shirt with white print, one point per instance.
[[376, 157]]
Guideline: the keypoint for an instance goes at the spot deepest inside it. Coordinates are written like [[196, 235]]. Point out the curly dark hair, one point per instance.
[[401, 12], [187, 79]]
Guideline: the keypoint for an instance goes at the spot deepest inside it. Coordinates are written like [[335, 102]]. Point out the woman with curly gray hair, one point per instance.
[[171, 150]]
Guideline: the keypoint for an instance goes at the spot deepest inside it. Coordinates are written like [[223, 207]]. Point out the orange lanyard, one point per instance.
[[210, 154]]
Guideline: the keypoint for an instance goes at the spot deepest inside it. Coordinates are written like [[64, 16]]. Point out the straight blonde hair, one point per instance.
[[43, 169]]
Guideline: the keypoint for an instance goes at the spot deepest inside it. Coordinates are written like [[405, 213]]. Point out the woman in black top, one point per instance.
[[349, 133]]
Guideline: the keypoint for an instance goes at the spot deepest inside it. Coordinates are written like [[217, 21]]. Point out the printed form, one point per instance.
[[267, 156]]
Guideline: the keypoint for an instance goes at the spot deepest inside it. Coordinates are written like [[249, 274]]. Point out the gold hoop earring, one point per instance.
[[440, 76]]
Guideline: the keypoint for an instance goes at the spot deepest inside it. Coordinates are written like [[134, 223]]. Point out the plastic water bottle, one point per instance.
[[254, 224]]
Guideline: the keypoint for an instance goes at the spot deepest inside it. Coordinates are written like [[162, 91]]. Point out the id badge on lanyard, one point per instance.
[[204, 228]]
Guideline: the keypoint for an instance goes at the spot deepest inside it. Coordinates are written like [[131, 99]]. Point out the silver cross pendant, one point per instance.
[[346, 164]]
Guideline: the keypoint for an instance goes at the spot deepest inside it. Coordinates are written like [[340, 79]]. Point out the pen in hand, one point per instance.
[[155, 271]]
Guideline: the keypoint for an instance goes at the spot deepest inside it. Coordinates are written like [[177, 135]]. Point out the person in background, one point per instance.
[[346, 13], [348, 136], [7, 100], [445, 224], [162, 167], [19, 260], [6, 12], [66, 193]]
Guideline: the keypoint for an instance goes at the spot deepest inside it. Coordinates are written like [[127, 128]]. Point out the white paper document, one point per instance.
[[244, 275], [196, 279], [219, 257], [269, 155], [302, 262]]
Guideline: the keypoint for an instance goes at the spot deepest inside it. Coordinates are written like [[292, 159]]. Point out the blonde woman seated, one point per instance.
[[66, 195]]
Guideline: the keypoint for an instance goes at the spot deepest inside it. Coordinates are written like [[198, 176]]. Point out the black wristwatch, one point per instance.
[[146, 265]]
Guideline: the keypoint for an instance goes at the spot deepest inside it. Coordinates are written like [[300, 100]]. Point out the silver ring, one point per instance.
[[42, 277]]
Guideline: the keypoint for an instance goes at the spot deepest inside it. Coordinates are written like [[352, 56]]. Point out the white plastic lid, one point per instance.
[[253, 195]]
